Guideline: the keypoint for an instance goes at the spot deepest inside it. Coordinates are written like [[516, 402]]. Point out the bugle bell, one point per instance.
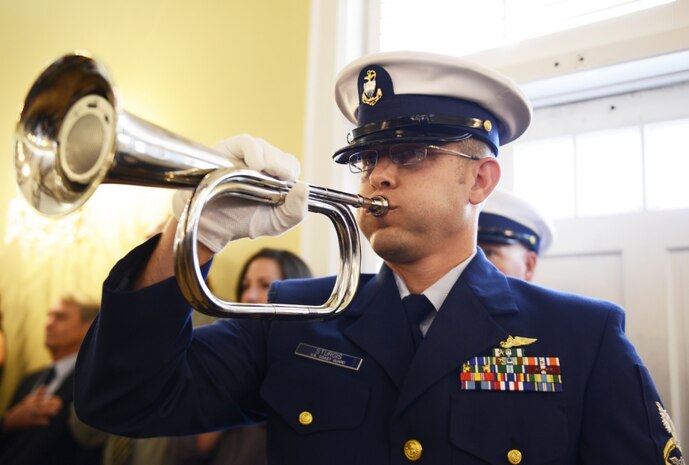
[[71, 137]]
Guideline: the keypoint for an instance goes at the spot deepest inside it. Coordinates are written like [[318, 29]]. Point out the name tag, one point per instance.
[[328, 356]]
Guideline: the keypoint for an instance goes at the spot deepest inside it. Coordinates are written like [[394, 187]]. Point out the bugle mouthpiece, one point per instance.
[[377, 205]]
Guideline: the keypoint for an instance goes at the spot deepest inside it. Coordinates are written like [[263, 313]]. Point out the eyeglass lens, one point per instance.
[[400, 154]]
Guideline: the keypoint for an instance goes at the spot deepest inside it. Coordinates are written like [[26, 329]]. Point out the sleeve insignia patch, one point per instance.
[[672, 453]]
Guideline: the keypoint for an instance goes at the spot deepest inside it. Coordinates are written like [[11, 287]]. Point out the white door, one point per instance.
[[614, 175]]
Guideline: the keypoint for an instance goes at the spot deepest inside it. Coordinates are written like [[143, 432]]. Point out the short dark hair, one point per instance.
[[291, 266], [88, 307]]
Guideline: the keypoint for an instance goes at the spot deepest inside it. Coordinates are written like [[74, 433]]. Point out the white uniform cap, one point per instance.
[[507, 218], [396, 85]]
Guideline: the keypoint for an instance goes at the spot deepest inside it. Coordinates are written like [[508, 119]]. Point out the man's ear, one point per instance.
[[531, 259], [487, 177]]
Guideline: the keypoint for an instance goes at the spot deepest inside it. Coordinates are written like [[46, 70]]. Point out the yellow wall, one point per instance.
[[205, 70]]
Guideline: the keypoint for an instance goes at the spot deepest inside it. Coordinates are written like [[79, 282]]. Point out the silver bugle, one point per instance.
[[71, 137]]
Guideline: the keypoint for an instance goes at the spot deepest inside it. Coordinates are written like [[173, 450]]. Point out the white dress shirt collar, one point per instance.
[[63, 368], [437, 293]]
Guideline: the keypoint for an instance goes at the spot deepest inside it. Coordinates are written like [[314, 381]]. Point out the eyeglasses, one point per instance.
[[400, 154]]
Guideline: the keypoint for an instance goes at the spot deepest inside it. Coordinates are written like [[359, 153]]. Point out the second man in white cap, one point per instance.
[[513, 233]]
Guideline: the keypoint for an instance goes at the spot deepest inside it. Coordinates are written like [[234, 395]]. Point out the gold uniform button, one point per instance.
[[305, 418], [413, 450], [514, 456]]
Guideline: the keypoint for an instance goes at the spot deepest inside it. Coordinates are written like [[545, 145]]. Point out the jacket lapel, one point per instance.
[[464, 327], [382, 330]]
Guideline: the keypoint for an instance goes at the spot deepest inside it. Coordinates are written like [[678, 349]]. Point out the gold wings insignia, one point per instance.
[[516, 341]]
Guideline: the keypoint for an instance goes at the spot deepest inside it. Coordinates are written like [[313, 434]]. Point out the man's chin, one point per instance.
[[390, 246]]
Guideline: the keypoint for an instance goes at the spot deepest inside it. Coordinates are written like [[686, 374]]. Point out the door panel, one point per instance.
[[601, 274]]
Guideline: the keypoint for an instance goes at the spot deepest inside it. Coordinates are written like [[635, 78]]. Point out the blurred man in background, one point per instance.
[[35, 429], [513, 233]]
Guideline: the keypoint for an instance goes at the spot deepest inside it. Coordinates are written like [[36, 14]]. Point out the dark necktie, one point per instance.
[[417, 308], [44, 378], [48, 376]]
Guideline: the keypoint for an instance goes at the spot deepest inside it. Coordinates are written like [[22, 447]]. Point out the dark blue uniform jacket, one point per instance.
[[143, 371]]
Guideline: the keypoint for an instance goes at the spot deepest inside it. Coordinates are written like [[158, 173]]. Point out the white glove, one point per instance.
[[227, 218]]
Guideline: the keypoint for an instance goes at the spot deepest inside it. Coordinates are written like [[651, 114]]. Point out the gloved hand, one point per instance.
[[226, 219]]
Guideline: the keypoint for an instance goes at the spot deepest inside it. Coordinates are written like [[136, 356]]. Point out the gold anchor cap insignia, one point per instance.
[[516, 341], [371, 95]]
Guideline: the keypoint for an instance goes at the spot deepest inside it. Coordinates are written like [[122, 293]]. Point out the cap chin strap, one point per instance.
[[415, 121], [508, 237]]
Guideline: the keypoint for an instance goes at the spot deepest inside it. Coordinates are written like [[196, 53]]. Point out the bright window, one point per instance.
[[458, 27], [605, 172], [667, 165], [544, 174], [609, 172]]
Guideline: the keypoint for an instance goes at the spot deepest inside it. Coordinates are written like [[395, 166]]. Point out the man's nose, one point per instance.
[[384, 174]]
